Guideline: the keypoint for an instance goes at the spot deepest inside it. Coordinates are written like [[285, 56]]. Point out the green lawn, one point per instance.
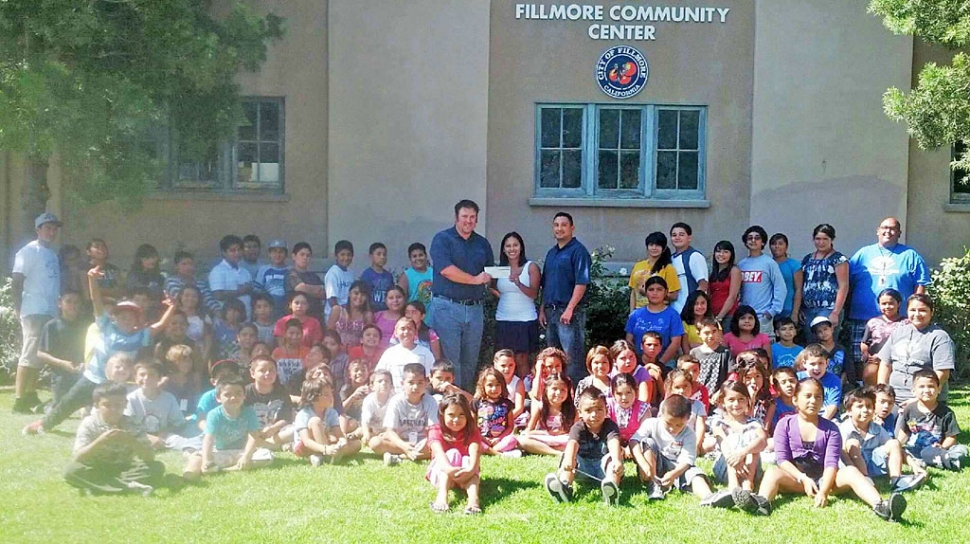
[[366, 502]]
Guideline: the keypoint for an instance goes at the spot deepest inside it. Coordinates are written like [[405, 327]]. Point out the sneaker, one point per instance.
[[891, 509], [317, 459], [36, 427], [761, 505], [953, 462], [391, 459], [743, 499], [559, 491], [655, 491], [20, 406], [611, 493], [142, 489], [720, 499], [34, 404], [512, 454], [909, 482]]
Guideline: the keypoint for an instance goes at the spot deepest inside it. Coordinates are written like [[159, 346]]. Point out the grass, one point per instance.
[[364, 501]]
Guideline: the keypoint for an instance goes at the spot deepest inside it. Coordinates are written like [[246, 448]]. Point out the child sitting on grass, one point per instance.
[[156, 411], [231, 440], [317, 426], [455, 453], [928, 428], [593, 451], [181, 381], [626, 410], [494, 414], [551, 419], [374, 408], [111, 454], [271, 402], [410, 413]]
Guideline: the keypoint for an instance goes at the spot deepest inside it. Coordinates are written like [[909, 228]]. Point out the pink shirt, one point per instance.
[[312, 332], [761, 341]]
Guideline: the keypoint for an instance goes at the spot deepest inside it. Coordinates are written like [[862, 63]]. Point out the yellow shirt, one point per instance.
[[641, 272], [693, 335]]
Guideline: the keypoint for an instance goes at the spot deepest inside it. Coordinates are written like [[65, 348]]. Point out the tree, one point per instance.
[[937, 110], [90, 81]]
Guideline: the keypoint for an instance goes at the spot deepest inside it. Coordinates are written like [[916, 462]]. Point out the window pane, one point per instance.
[[631, 129], [269, 153], [689, 121], [629, 170], [247, 128], [549, 169], [606, 178], [666, 170], [269, 121], [203, 171], [687, 173], [667, 130], [572, 169], [572, 127], [961, 185], [609, 129], [246, 170], [550, 127]]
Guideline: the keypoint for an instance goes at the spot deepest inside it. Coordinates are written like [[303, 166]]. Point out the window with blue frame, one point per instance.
[[959, 178], [613, 151]]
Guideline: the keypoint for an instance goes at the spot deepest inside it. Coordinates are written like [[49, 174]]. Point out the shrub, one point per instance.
[[10, 337], [608, 303], [951, 298]]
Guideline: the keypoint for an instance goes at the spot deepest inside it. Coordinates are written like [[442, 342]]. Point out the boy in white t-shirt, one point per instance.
[[339, 278], [405, 352]]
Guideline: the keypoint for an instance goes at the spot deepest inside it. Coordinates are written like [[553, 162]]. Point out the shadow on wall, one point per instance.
[[853, 205]]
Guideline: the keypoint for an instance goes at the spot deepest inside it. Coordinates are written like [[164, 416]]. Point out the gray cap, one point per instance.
[[277, 243], [46, 217]]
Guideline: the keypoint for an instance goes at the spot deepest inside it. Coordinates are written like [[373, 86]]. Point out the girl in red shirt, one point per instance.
[[455, 453]]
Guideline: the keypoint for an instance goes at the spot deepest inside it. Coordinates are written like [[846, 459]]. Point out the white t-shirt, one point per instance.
[[372, 413], [396, 356], [411, 421], [42, 279], [698, 267], [337, 282], [155, 416], [224, 277]]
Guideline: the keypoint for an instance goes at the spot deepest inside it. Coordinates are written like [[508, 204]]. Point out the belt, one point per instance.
[[555, 307], [467, 302]]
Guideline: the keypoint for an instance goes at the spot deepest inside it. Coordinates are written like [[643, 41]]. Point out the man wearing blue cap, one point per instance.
[[36, 288]]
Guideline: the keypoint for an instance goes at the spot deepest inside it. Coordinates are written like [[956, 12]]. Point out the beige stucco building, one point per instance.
[[369, 120]]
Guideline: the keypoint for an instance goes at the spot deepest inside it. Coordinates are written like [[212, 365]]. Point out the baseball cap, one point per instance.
[[819, 320], [127, 305], [46, 217], [277, 243]]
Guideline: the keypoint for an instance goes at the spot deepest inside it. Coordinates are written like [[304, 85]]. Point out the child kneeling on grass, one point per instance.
[[111, 455], [456, 447], [593, 450], [318, 435], [231, 434]]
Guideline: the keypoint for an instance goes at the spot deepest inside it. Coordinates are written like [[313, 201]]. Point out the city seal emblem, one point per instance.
[[621, 71]]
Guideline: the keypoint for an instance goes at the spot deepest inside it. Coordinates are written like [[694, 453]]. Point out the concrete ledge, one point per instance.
[[957, 208], [616, 203], [218, 197]]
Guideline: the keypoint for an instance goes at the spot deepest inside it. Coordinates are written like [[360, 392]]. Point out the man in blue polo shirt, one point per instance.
[[565, 276], [460, 256]]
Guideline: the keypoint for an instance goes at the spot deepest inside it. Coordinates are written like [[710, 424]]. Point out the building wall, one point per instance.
[[408, 119], [296, 69], [933, 226], [823, 150], [536, 61]]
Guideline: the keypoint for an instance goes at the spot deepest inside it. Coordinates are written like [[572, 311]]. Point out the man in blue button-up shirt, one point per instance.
[[565, 276], [460, 256]]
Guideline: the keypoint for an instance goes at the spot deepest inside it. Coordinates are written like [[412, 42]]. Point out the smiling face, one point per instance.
[[888, 306], [263, 373], [700, 306], [405, 332], [344, 257], [127, 319], [357, 298], [98, 252], [419, 259], [556, 393], [455, 418], [823, 243], [395, 300], [492, 388], [600, 367], [861, 412], [563, 229], [465, 221], [754, 242], [512, 249], [624, 396], [681, 386], [711, 336], [293, 337], [926, 390], [679, 238], [723, 256], [815, 366], [920, 315], [370, 338], [357, 371], [277, 256], [117, 370], [654, 251], [888, 232], [232, 254], [735, 403]]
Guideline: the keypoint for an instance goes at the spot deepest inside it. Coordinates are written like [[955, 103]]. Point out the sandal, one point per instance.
[[438, 509], [472, 510]]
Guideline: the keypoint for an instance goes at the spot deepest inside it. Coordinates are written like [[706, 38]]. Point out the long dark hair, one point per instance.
[[718, 273], [144, 251], [458, 399], [742, 311], [568, 406], [659, 239], [503, 259], [687, 314]]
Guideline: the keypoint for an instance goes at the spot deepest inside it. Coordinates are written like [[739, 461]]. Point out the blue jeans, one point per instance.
[[459, 329], [570, 338]]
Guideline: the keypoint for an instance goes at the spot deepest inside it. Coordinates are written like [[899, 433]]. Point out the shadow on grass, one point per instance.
[[494, 490]]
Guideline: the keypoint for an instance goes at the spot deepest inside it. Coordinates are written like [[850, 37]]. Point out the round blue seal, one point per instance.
[[622, 71]]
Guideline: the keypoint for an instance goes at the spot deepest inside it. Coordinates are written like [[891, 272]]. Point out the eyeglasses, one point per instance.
[[753, 237], [889, 229]]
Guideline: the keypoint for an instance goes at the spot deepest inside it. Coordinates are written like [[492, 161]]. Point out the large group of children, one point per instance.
[[164, 373]]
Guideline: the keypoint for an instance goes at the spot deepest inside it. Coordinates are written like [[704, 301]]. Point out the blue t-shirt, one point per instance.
[[225, 336], [207, 403], [470, 256], [837, 360], [788, 268], [565, 268], [303, 417], [379, 283], [874, 268], [229, 433], [112, 341], [666, 323], [273, 281], [831, 387], [781, 410], [782, 356]]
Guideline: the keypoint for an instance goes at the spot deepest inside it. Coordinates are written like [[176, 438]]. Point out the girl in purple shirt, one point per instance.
[[807, 450]]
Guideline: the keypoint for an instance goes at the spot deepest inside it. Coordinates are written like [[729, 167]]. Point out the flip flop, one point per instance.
[[472, 510], [439, 509]]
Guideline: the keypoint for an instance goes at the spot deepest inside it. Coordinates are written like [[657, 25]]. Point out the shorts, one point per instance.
[[593, 468], [32, 326], [224, 459], [518, 336], [665, 465], [721, 470], [857, 330]]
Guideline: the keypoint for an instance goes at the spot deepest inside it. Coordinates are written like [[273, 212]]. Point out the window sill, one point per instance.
[[957, 207], [218, 197], [616, 203]]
